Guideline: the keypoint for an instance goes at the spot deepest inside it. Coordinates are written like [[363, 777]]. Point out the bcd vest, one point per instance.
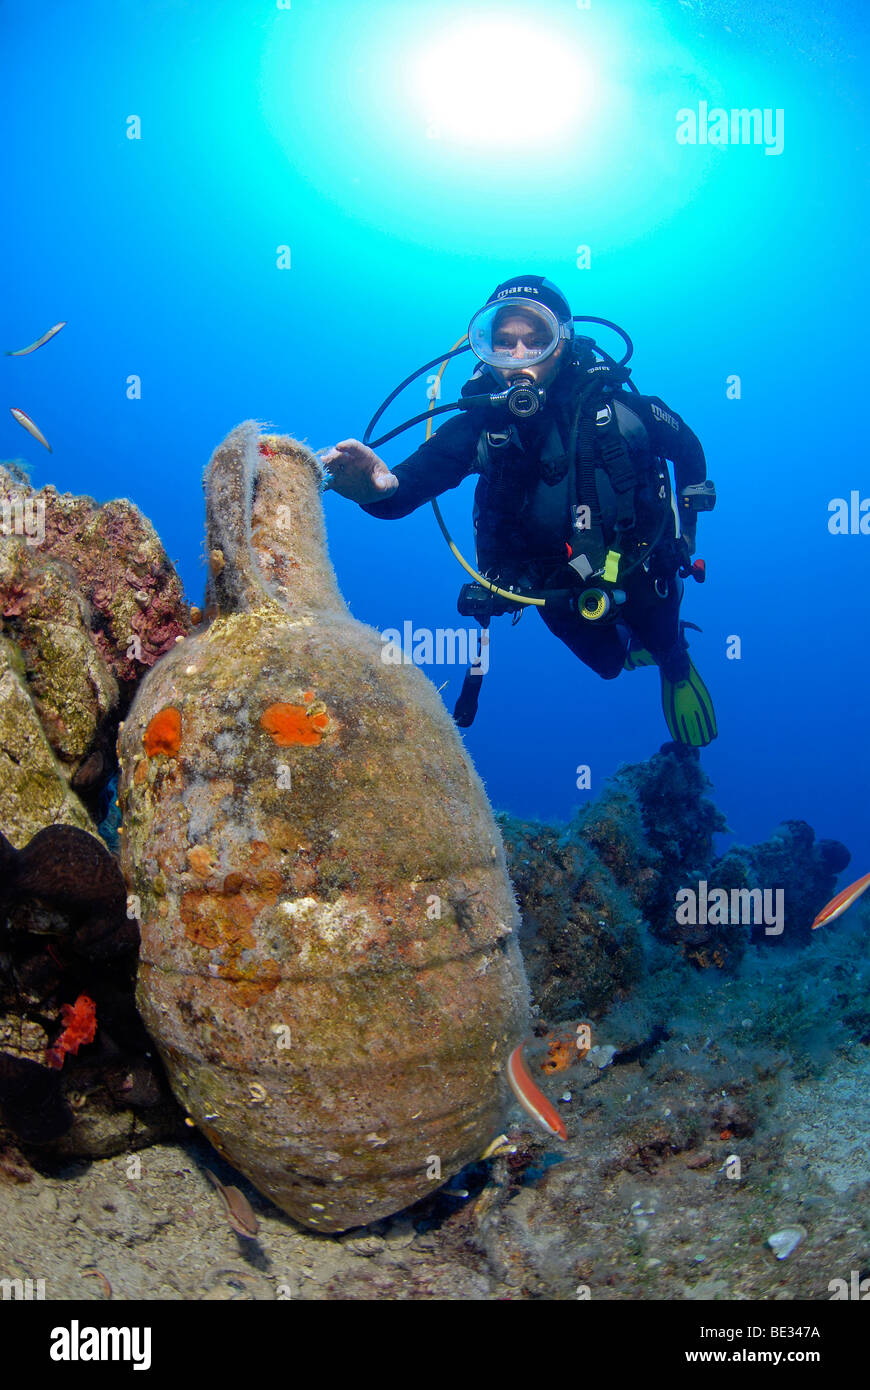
[[531, 505]]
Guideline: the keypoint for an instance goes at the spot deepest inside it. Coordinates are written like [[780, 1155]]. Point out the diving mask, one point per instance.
[[516, 332]]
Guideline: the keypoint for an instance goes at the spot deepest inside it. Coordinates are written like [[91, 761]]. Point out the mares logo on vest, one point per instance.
[[664, 416]]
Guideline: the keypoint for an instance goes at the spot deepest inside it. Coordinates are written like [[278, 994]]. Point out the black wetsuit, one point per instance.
[[521, 534]]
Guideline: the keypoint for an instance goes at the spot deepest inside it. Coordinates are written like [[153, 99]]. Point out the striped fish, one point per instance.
[[25, 421], [22, 352], [530, 1098], [842, 902]]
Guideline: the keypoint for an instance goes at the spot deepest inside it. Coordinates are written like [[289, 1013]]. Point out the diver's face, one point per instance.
[[520, 336]]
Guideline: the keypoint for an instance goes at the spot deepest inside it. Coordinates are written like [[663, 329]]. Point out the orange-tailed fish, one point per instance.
[[530, 1098], [843, 901], [22, 352], [28, 424]]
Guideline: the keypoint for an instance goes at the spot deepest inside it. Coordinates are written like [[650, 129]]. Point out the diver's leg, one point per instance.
[[654, 616], [600, 648], [655, 622]]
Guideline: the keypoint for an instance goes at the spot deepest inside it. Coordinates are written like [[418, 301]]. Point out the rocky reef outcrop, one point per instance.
[[68, 948], [88, 602], [595, 892]]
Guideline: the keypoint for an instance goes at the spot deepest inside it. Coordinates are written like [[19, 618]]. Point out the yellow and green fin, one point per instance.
[[688, 710]]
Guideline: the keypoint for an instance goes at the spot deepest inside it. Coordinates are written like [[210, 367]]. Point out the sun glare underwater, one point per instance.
[[500, 84]]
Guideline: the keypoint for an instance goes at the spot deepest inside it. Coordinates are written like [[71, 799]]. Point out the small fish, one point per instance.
[[22, 352], [237, 1208], [25, 420], [530, 1098], [844, 900]]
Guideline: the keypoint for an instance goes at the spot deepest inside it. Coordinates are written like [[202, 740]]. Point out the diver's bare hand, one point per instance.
[[358, 473]]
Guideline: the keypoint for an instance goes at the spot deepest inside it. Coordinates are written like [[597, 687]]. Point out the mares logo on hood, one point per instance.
[[536, 287], [518, 289]]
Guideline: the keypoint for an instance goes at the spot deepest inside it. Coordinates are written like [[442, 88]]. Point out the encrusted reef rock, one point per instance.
[[33, 790], [590, 892], [581, 930], [793, 862], [88, 601], [678, 821], [329, 960], [595, 892], [68, 957]]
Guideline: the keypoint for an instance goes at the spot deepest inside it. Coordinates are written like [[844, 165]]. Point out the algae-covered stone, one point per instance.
[[33, 790], [72, 686], [329, 960], [90, 601]]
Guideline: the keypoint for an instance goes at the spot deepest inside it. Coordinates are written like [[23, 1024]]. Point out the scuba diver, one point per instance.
[[574, 511]]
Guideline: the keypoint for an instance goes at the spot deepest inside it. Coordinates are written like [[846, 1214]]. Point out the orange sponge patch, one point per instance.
[[163, 734], [288, 724], [81, 1027], [561, 1053]]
